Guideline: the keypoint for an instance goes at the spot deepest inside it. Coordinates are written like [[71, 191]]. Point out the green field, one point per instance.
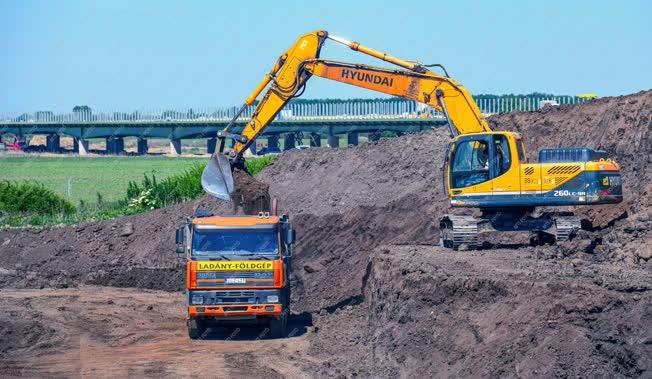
[[91, 175]]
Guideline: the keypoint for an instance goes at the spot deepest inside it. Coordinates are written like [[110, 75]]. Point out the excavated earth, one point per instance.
[[373, 294]]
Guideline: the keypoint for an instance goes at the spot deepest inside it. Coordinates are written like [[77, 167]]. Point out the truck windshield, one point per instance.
[[234, 241]]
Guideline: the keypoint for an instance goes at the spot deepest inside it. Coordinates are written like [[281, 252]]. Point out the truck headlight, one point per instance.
[[197, 299], [272, 299]]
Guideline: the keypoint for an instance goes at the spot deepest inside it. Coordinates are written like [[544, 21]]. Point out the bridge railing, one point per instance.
[[295, 110]]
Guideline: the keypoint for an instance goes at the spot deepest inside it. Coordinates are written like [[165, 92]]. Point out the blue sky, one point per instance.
[[126, 55]]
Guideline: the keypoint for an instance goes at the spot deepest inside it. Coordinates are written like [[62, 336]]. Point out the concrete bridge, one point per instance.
[[312, 119], [177, 130]]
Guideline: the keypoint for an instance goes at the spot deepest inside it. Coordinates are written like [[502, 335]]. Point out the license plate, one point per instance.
[[236, 281]]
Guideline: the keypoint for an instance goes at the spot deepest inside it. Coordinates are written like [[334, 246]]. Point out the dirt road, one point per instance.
[[124, 332]]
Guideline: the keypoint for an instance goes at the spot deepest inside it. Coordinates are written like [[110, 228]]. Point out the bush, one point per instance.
[[151, 194], [33, 199], [256, 165]]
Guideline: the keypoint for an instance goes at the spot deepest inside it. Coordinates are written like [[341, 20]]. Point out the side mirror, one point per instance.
[[180, 249], [291, 236]]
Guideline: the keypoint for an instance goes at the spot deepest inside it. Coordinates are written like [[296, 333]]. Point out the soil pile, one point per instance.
[[251, 195], [134, 251], [324, 180], [433, 312]]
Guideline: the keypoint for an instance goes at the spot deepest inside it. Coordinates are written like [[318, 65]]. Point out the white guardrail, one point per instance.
[[297, 110]]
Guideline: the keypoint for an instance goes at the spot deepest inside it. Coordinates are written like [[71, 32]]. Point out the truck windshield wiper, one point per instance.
[[261, 256], [213, 257]]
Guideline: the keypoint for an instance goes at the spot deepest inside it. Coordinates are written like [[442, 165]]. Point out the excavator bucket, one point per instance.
[[217, 179]]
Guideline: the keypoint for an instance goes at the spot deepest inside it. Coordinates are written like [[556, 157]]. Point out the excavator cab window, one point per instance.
[[502, 160], [470, 163]]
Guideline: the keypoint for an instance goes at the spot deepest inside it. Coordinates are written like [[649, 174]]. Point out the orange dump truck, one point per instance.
[[238, 271]]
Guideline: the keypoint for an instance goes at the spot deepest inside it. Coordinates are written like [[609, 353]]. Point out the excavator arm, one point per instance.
[[288, 77]]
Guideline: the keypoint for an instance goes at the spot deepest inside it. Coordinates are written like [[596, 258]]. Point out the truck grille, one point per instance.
[[234, 293], [232, 298], [234, 274]]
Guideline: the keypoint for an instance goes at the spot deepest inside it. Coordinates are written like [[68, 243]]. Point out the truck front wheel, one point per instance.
[[196, 328], [278, 327]]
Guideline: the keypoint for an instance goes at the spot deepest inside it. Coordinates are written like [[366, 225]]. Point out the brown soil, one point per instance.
[[250, 195], [372, 293]]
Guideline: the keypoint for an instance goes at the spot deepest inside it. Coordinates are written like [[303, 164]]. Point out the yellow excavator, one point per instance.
[[482, 168]]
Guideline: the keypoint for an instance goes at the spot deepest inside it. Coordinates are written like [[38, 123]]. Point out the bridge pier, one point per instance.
[[211, 143], [53, 143], [315, 139], [142, 146], [175, 147], [21, 140], [352, 139], [272, 141], [252, 149], [289, 142], [115, 145], [80, 146], [375, 136], [333, 141]]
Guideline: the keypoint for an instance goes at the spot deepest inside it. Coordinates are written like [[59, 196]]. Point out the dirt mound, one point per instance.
[[251, 195], [428, 311], [134, 251], [324, 180]]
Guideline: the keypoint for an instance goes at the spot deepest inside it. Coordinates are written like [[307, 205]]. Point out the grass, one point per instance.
[[110, 186], [256, 165], [89, 176]]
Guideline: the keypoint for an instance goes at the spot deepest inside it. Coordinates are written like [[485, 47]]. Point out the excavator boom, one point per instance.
[[288, 78], [440, 92]]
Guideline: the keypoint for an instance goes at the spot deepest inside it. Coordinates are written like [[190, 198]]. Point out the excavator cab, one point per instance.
[[475, 162]]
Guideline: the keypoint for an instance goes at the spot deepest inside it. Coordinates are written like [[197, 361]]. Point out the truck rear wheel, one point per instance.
[[196, 328], [278, 327]]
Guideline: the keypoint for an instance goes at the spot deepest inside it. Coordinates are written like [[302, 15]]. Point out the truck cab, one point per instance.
[[237, 271]]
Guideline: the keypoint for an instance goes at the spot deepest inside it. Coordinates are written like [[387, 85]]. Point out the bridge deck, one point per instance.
[[180, 129]]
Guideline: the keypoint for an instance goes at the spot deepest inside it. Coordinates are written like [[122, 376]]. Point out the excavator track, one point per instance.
[[456, 231], [565, 226]]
